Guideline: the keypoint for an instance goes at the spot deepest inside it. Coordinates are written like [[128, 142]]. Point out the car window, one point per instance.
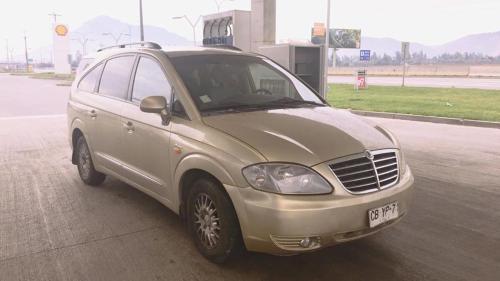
[[178, 108], [88, 82], [115, 77], [84, 63], [150, 80], [266, 79]]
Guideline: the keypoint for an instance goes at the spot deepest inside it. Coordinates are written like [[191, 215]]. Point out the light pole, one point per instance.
[[220, 2], [193, 25], [116, 38], [54, 15], [26, 53], [327, 48], [7, 52], [141, 21], [83, 40]]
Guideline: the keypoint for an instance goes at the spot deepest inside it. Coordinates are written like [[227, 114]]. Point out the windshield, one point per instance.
[[221, 83]]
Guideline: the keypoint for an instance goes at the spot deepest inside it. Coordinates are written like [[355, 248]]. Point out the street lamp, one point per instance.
[[116, 38], [220, 2], [141, 23], [193, 25], [83, 40]]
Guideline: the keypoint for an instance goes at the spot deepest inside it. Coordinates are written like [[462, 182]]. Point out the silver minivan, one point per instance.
[[244, 151]]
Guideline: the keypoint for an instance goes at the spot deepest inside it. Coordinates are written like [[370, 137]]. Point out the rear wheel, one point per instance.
[[212, 221], [85, 165]]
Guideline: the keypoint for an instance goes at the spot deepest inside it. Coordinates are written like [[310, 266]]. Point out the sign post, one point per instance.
[[61, 49], [405, 51], [360, 82], [364, 55]]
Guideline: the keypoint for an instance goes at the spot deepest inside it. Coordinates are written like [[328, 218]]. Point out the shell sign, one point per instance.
[[61, 30]]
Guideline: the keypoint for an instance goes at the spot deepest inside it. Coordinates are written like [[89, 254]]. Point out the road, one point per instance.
[[438, 82], [22, 96], [53, 227]]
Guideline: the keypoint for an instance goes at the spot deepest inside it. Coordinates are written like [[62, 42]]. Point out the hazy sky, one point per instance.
[[424, 21]]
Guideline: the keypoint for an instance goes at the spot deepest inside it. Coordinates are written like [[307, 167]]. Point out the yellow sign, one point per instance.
[[61, 30]]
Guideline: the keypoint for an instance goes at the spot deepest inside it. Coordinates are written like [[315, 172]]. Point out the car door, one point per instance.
[[112, 93], [146, 140], [81, 102]]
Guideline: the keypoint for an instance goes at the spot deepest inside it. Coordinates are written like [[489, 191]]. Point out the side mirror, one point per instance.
[[156, 104]]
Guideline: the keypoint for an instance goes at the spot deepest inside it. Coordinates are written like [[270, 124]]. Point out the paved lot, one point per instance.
[[439, 82], [22, 96], [52, 227]]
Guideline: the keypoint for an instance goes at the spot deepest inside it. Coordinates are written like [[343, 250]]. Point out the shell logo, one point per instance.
[[61, 30]]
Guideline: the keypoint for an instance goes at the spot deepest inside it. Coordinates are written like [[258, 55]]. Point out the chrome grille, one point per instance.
[[367, 172]]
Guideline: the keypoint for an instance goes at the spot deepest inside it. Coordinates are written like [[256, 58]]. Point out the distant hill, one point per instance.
[[94, 29], [484, 43]]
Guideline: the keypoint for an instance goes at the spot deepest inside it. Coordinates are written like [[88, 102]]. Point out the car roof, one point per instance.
[[174, 51]]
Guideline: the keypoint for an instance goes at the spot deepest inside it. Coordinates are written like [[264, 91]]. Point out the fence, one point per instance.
[[425, 70]]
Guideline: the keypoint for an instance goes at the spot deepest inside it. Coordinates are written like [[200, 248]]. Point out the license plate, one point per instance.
[[383, 214]]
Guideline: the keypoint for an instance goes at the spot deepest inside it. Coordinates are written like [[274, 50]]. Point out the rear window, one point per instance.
[[88, 83], [84, 63], [116, 76]]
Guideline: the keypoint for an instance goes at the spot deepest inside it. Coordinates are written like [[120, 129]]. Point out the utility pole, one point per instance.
[[327, 48], [142, 23], [7, 52], [405, 49], [26, 53], [54, 15]]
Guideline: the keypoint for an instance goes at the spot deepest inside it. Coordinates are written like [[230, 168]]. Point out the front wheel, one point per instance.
[[85, 165], [212, 221]]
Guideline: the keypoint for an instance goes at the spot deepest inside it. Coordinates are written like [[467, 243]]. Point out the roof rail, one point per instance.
[[150, 45], [222, 46]]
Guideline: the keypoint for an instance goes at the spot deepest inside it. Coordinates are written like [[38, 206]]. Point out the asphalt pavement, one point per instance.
[[23, 96], [433, 82], [53, 227]]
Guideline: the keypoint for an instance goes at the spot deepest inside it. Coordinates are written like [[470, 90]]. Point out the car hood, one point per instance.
[[308, 136]]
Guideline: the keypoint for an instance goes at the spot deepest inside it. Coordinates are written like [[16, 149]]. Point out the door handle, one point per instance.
[[93, 114], [129, 126]]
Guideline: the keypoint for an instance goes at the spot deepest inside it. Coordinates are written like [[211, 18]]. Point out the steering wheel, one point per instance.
[[263, 91]]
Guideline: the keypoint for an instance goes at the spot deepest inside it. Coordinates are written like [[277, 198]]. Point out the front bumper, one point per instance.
[[275, 224]]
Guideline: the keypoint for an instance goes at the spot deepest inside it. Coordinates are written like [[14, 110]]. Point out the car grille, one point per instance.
[[367, 172]]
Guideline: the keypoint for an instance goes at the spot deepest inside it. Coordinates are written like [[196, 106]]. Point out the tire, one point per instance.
[[85, 165], [212, 221]]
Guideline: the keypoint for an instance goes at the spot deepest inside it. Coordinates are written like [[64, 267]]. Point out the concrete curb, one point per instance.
[[433, 119]]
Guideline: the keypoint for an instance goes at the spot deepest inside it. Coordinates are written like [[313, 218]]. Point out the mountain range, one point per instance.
[[94, 29], [483, 43], [105, 31]]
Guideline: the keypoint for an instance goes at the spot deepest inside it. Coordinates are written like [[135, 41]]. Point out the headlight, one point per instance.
[[285, 179]]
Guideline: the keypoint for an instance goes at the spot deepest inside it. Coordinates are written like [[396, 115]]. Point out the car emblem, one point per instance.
[[369, 155]]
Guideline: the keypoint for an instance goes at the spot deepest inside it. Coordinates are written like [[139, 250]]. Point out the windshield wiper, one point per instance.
[[238, 108], [278, 103], [290, 101]]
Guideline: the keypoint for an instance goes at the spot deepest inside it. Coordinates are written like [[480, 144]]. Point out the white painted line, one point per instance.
[[33, 117]]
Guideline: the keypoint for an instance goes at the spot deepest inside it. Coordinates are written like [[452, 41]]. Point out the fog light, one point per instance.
[[305, 243], [309, 242]]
